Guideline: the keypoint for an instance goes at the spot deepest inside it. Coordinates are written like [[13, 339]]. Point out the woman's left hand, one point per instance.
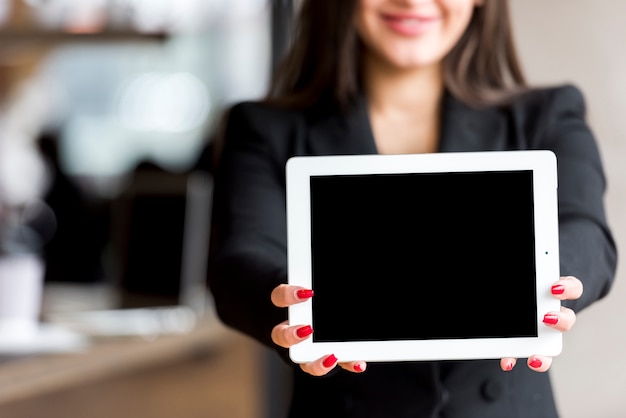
[[567, 288]]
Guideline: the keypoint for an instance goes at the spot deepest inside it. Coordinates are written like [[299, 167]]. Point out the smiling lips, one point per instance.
[[409, 25]]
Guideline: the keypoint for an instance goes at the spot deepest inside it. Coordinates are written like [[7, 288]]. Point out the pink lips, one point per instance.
[[409, 24]]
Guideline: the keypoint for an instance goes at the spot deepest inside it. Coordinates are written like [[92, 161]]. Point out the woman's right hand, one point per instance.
[[285, 335]]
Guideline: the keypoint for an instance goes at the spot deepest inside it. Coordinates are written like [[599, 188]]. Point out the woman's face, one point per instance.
[[409, 34]]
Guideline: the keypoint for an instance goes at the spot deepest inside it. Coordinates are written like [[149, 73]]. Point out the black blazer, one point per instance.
[[249, 252]]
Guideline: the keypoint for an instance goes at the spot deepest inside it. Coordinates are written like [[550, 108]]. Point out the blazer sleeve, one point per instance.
[[248, 250], [587, 248]]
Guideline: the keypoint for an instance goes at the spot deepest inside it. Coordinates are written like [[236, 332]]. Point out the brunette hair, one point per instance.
[[323, 59]]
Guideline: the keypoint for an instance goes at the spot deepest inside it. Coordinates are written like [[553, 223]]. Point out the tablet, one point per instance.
[[424, 257]]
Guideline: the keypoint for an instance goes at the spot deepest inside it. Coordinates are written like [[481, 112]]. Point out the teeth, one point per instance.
[[409, 22]]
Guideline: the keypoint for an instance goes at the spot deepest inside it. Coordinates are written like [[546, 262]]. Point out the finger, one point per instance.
[[285, 335], [321, 366], [539, 363], [567, 288], [562, 321], [285, 295], [507, 363], [354, 366]]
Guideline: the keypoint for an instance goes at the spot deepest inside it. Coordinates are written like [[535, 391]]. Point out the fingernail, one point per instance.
[[329, 361], [304, 331], [535, 363], [304, 293], [509, 367], [359, 367], [550, 319], [558, 289]]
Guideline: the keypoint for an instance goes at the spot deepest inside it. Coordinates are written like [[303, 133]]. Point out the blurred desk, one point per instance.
[[208, 372]]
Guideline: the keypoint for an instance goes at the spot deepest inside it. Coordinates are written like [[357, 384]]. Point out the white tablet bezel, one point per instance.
[[543, 165]]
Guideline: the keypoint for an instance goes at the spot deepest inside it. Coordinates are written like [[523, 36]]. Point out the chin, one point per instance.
[[414, 62], [412, 57]]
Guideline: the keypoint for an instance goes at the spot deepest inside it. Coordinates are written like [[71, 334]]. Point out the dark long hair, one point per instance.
[[323, 60]]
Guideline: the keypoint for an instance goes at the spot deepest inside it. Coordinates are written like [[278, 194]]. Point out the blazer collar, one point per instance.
[[462, 129], [343, 133]]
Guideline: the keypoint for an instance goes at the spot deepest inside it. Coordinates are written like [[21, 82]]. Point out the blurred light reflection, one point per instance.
[[177, 102], [5, 10]]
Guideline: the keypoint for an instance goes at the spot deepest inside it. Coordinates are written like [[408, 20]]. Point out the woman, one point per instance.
[[392, 77]]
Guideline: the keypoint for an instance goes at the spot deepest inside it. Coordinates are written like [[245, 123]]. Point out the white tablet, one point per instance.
[[424, 257]]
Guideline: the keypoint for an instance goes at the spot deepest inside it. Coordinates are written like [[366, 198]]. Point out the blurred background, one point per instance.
[[107, 113], [576, 41]]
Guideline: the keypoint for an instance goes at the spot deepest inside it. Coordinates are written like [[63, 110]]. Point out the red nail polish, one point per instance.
[[535, 363], [305, 331], [358, 368], [509, 367], [304, 293], [329, 361], [550, 319], [558, 289]]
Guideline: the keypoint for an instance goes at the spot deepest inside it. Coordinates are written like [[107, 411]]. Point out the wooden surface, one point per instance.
[[212, 372]]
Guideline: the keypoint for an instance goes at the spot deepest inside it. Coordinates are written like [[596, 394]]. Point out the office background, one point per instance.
[[104, 98], [582, 42]]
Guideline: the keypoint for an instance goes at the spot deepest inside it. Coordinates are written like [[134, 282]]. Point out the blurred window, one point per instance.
[[156, 100]]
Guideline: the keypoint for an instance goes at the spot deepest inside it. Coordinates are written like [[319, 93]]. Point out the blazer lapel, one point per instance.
[[470, 129], [462, 129], [343, 134]]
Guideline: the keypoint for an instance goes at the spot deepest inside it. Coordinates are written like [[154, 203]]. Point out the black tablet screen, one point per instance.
[[423, 256]]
